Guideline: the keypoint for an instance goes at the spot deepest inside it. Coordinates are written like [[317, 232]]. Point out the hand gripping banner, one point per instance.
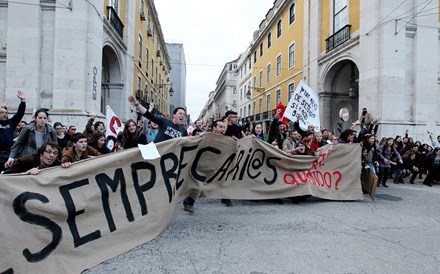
[[68, 220]]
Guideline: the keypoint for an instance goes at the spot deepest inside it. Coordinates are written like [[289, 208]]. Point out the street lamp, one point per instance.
[[248, 93], [170, 91]]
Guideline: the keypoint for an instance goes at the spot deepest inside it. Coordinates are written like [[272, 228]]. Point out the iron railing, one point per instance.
[[338, 38], [115, 21]]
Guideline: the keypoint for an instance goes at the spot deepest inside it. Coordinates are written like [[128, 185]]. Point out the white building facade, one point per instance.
[[176, 52], [390, 65], [70, 59]]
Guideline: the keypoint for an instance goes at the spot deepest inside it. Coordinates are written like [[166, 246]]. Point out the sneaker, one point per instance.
[[427, 184], [226, 202], [188, 208]]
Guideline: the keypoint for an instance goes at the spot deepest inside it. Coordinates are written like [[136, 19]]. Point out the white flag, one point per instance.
[[304, 102], [113, 128]]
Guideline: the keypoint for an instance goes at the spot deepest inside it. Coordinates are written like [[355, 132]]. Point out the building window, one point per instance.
[[279, 28], [140, 50], [278, 97], [340, 18], [139, 85], [152, 68], [261, 78], [147, 55], [269, 40], [142, 6], [261, 105], [255, 108], [115, 5], [255, 82], [157, 74], [292, 13], [291, 55], [241, 93], [234, 90], [234, 103], [268, 102], [249, 109], [291, 90], [278, 65], [261, 49], [250, 65], [269, 73], [255, 56]]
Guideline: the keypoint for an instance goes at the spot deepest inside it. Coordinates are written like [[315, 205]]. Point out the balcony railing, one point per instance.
[[115, 21], [338, 38]]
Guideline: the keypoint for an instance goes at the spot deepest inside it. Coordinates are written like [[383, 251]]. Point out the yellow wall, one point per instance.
[[160, 94], [290, 33], [325, 22], [354, 16], [326, 13]]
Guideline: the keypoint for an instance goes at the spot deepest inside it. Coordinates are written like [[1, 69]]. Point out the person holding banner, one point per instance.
[[79, 150], [47, 156], [7, 128], [168, 129], [32, 137], [218, 127], [277, 133], [231, 127]]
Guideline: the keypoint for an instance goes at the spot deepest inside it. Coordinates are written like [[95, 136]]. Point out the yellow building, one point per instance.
[[277, 58], [379, 55], [151, 60]]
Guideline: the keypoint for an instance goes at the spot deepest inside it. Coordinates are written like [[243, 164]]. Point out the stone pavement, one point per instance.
[[397, 233]]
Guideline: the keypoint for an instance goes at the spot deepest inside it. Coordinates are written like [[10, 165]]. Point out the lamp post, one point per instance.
[[248, 93], [170, 91]]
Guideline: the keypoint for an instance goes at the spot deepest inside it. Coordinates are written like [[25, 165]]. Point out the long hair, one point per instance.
[[129, 139], [93, 141]]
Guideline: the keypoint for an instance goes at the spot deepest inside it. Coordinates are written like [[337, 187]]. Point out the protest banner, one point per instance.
[[304, 102], [114, 127], [67, 220]]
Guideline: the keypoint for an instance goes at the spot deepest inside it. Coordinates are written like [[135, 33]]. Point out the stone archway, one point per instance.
[[340, 89], [111, 84]]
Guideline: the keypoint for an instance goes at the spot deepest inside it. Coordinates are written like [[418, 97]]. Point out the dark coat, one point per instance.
[[26, 163]]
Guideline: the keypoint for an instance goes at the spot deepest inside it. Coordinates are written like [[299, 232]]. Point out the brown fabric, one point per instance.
[[64, 220], [69, 154]]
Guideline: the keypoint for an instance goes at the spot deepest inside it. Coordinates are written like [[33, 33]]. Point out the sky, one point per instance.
[[213, 32]]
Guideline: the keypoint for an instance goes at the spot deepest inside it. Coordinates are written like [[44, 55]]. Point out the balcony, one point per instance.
[[338, 38], [115, 21]]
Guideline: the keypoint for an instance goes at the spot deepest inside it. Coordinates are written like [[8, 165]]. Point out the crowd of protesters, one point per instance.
[[29, 147]]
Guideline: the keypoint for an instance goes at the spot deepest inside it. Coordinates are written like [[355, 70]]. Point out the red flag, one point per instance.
[[283, 119]]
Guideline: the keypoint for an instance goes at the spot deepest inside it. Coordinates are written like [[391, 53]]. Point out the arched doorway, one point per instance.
[[340, 90], [111, 87]]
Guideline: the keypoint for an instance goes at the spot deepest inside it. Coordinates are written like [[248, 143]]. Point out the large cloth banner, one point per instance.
[[304, 102], [67, 220]]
